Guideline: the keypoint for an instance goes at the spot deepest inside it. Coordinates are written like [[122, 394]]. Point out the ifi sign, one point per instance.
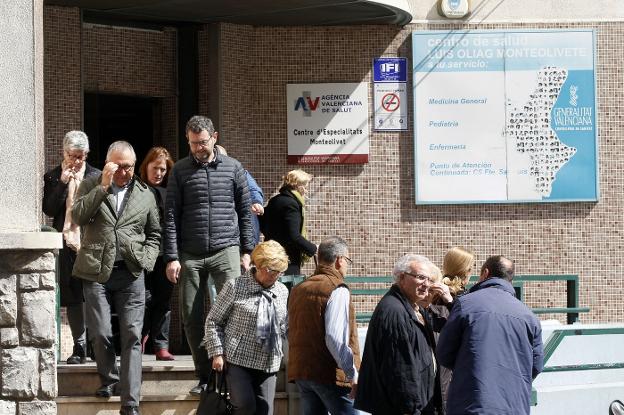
[[454, 9], [390, 93]]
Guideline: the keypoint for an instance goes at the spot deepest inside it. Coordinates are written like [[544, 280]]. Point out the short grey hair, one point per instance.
[[199, 123], [76, 140], [120, 146], [332, 248], [403, 264]]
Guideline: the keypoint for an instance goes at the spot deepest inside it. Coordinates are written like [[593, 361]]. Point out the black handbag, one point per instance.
[[215, 398]]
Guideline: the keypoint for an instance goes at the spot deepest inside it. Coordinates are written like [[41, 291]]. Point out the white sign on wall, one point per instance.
[[327, 123], [390, 105]]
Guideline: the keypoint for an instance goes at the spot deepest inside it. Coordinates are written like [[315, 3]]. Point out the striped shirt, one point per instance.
[[337, 331]]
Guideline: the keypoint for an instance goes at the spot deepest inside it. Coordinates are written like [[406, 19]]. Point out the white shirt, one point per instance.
[[337, 331]]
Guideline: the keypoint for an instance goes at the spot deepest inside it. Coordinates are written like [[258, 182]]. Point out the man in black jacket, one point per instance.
[[208, 230], [398, 372]]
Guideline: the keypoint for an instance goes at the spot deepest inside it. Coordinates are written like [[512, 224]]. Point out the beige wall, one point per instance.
[[373, 206]]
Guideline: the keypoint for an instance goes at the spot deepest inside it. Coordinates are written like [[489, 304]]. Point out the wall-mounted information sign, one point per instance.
[[505, 116]]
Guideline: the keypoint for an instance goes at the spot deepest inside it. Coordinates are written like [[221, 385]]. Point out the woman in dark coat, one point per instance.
[[284, 220], [154, 171], [59, 191]]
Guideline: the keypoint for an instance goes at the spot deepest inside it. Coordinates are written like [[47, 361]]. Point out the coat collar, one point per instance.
[[328, 270], [216, 160], [494, 282], [396, 292]]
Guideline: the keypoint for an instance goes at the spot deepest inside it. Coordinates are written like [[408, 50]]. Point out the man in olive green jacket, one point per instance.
[[118, 216]]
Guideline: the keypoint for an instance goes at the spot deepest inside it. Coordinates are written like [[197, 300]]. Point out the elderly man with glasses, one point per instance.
[[324, 353], [121, 238], [59, 192], [398, 374]]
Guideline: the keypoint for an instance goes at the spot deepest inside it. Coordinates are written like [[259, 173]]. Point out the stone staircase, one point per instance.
[[164, 390]]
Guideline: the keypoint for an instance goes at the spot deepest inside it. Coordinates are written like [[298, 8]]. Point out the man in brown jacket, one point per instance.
[[324, 355]]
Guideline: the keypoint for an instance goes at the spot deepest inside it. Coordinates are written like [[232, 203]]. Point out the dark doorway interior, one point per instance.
[[108, 118]]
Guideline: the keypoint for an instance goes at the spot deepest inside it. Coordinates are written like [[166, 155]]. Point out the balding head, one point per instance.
[[497, 266]]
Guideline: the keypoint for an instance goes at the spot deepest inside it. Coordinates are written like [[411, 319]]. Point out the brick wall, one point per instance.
[[243, 85], [62, 81], [373, 206]]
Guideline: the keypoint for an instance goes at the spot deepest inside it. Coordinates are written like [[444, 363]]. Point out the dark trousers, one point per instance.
[[158, 290], [251, 391], [126, 294]]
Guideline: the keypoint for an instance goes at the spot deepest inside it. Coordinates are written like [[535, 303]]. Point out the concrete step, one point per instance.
[[164, 390], [150, 405], [175, 377]]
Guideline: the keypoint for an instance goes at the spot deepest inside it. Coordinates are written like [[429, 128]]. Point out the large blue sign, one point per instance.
[[390, 70], [505, 116]]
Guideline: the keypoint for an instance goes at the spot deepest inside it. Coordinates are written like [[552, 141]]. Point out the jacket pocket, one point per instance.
[[138, 254], [89, 260], [231, 345]]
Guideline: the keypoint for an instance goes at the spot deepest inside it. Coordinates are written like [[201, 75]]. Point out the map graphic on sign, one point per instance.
[[505, 116]]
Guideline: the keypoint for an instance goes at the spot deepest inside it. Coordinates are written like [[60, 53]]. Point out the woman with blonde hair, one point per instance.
[[284, 220], [456, 267], [245, 329], [458, 263]]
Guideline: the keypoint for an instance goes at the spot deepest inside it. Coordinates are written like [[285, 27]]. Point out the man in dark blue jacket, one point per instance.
[[208, 230], [493, 344]]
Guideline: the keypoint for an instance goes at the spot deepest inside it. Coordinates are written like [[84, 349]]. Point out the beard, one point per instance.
[[203, 156]]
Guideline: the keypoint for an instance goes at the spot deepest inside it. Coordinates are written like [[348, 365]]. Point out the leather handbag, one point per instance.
[[215, 398]]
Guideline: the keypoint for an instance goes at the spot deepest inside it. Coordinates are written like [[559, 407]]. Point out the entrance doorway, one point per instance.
[[108, 118]]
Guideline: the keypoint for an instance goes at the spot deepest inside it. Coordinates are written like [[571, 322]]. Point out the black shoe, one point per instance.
[[129, 410], [197, 390], [79, 355], [106, 391]]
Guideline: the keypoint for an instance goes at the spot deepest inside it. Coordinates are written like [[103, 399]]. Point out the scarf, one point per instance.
[[267, 326], [304, 232], [71, 231]]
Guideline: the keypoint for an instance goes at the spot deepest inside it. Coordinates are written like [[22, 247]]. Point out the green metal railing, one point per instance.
[[572, 309]]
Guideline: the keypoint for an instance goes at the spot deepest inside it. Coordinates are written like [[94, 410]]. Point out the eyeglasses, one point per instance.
[[273, 271], [202, 143], [126, 167], [349, 260], [75, 157], [420, 277]]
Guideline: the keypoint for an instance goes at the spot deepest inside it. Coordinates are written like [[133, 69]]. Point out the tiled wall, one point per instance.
[[373, 206], [62, 82]]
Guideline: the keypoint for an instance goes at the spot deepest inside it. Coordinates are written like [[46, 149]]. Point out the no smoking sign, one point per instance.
[[390, 102], [390, 105]]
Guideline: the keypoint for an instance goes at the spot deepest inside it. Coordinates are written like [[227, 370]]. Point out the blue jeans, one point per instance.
[[318, 398]]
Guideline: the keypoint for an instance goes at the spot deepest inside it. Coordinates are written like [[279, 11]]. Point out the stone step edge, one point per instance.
[[93, 369], [144, 398]]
